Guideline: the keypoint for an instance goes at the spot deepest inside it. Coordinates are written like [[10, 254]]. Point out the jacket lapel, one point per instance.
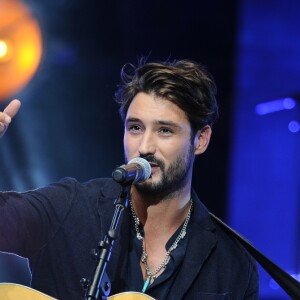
[[201, 243]]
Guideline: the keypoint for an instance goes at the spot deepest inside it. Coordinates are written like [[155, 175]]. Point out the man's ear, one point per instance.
[[201, 140]]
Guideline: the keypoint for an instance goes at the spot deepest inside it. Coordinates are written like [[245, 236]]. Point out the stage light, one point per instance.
[[294, 126], [275, 105], [3, 50], [20, 47]]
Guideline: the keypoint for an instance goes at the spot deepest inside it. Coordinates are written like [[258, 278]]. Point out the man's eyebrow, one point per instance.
[[168, 123], [157, 122], [131, 120]]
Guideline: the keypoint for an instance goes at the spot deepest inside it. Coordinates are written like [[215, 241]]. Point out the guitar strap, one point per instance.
[[289, 284]]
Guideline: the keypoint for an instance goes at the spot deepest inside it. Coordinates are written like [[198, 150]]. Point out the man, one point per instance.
[[169, 247]]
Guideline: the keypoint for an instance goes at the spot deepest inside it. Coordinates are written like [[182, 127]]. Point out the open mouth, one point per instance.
[[153, 165]]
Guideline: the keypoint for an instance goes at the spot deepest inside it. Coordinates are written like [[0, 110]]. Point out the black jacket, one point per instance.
[[57, 226]]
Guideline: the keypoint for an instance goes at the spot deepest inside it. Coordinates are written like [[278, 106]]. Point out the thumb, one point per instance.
[[12, 108]]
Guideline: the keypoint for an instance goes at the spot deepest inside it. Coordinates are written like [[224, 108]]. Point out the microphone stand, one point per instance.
[[100, 286]]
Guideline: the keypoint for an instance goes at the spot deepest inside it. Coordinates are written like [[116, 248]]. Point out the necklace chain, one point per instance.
[[152, 275]]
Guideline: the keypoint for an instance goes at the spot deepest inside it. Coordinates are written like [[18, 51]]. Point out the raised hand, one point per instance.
[[6, 116]]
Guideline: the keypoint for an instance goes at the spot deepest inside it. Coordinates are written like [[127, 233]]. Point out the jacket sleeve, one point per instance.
[[28, 220]]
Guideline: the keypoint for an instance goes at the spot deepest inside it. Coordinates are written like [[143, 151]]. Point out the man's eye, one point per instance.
[[134, 128], [166, 131]]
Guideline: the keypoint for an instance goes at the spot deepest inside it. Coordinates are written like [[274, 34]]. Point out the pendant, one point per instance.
[[146, 284]]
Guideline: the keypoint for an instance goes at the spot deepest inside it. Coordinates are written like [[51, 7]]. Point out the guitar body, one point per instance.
[[10, 291], [129, 296]]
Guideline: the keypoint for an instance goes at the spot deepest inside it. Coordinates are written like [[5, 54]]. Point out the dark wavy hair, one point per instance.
[[182, 82]]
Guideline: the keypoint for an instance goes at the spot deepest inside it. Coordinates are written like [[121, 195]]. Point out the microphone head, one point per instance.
[[145, 167]]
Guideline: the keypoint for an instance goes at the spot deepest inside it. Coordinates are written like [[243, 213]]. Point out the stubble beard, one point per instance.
[[172, 180]]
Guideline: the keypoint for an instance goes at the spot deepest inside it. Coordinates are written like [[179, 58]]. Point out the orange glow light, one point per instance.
[[3, 50], [6, 50], [20, 47]]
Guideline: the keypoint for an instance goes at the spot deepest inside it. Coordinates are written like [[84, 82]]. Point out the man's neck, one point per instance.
[[161, 215]]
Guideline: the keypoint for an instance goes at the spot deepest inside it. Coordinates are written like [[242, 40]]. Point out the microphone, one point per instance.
[[137, 170]]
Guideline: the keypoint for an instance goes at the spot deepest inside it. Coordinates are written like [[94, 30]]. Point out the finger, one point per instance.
[[3, 128], [4, 119], [12, 108]]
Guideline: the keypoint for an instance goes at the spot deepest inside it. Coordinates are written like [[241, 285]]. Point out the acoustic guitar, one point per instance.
[[10, 291]]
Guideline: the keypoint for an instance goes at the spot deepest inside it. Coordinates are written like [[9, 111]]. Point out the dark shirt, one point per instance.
[[159, 289]]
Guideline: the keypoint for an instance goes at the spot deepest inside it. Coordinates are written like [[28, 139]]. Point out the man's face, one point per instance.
[[159, 131]]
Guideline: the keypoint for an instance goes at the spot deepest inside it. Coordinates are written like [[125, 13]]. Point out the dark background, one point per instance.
[[69, 106], [69, 125]]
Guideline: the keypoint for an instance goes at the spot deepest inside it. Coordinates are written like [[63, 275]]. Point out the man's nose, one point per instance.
[[147, 144]]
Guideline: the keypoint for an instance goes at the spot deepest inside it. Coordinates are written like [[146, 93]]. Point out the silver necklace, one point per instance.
[[152, 275]]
